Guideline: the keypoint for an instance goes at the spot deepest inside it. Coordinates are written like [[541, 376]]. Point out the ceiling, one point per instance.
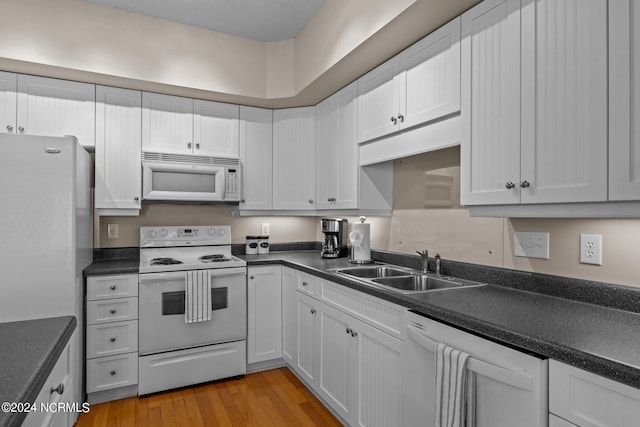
[[262, 20]]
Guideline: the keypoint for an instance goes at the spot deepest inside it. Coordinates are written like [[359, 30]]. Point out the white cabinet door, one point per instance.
[[432, 74], [294, 158], [167, 123], [564, 101], [306, 353], [380, 100], [289, 318], [8, 100], [215, 129], [118, 143], [256, 150], [337, 151], [624, 100], [490, 149], [264, 311], [55, 107]]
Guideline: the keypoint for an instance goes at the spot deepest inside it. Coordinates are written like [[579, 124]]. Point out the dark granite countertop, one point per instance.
[[30, 350], [586, 324], [102, 267]]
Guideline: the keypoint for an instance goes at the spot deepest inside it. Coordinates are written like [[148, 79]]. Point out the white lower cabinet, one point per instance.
[[111, 337], [289, 319], [58, 389], [264, 322], [353, 366], [589, 400]]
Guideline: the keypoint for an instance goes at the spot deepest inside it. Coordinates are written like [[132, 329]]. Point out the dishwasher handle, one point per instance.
[[506, 376]]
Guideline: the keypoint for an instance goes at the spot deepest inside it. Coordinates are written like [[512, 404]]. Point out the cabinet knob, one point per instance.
[[59, 389], [21, 129], [9, 128], [310, 201], [188, 145], [113, 287], [313, 311], [304, 283], [241, 200], [197, 145], [509, 185], [113, 373], [112, 311], [349, 330], [525, 184], [400, 117], [252, 277], [112, 339], [136, 198], [394, 120], [354, 333]]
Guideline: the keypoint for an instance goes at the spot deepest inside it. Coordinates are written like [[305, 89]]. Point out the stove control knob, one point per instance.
[[152, 233], [163, 232], [221, 232], [211, 231]]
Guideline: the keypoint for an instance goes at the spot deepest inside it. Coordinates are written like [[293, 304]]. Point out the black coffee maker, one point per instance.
[[335, 237]]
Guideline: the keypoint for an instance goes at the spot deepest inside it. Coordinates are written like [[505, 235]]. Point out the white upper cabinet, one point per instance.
[[294, 159], [419, 85], [118, 142], [337, 151], [624, 100], [8, 102], [256, 149], [177, 125], [55, 107], [534, 102]]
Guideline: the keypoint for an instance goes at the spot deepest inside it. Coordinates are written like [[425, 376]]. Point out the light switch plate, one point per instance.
[[591, 249], [531, 245]]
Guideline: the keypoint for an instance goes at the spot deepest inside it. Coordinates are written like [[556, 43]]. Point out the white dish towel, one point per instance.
[[455, 388], [197, 299]]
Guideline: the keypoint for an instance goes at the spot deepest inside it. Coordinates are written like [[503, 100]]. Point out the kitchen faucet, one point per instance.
[[424, 254], [438, 263]]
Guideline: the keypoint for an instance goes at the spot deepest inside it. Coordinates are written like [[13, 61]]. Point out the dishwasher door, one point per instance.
[[511, 386]]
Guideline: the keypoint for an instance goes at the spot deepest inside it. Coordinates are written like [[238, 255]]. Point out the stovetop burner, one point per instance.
[[214, 258], [164, 261]]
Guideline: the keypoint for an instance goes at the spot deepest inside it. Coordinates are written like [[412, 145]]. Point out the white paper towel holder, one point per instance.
[[357, 239]]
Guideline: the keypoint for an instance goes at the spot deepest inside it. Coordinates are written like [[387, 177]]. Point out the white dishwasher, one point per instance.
[[511, 387]]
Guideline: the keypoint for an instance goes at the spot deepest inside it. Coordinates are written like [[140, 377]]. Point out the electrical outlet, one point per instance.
[[265, 228], [591, 249], [112, 231], [531, 245]]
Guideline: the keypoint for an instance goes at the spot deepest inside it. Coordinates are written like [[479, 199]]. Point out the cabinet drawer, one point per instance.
[[112, 338], [116, 310], [590, 400], [111, 372], [383, 315], [116, 286], [306, 283]]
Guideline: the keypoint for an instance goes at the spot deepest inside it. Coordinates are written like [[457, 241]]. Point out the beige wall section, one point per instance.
[[283, 229]]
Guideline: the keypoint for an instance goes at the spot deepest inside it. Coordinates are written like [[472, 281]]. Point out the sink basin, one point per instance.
[[417, 282], [373, 272]]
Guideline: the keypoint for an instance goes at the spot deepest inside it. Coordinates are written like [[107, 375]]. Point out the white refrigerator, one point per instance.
[[46, 231]]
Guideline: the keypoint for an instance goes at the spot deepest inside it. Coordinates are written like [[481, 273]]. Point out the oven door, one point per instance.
[[161, 321], [182, 181]]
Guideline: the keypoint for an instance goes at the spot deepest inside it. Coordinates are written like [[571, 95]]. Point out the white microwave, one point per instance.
[[186, 178]]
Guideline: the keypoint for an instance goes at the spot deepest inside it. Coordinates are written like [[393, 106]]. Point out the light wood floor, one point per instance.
[[268, 398]]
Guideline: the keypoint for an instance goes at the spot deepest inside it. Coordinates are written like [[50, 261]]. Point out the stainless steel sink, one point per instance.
[[402, 280], [373, 272]]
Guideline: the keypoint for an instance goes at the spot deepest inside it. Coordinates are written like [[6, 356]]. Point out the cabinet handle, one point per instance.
[[112, 311], [310, 201], [304, 283], [113, 287], [349, 330], [136, 198], [241, 200], [9, 128], [525, 184], [252, 277], [400, 117], [113, 373], [509, 185], [394, 120], [313, 311], [21, 129], [354, 333], [197, 145], [188, 145], [59, 389], [112, 339]]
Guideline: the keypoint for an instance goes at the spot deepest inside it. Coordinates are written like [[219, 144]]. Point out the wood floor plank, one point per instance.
[[268, 398]]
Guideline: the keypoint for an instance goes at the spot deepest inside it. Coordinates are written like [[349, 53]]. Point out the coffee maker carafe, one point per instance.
[[335, 237]]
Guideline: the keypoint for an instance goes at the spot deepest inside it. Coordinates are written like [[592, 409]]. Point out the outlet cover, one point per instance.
[[591, 249], [112, 231], [531, 245], [266, 229]]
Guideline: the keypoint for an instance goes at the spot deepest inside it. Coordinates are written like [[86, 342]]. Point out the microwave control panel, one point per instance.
[[232, 190]]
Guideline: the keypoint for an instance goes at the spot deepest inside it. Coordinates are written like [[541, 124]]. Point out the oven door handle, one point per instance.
[[177, 275]]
